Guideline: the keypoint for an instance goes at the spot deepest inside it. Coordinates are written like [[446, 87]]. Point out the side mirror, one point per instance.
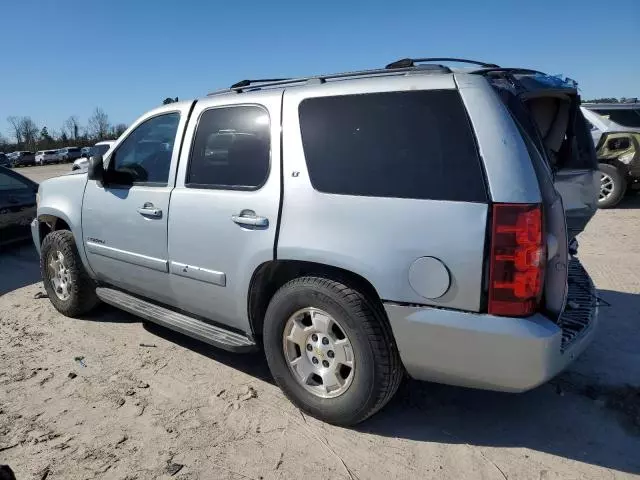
[[95, 170]]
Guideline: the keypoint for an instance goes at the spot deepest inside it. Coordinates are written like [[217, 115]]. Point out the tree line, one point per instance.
[[611, 100], [25, 134]]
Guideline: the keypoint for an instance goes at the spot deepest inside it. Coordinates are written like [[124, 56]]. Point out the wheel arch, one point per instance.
[[50, 223], [270, 276], [52, 219]]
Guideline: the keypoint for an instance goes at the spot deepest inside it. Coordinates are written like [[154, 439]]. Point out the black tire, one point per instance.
[[82, 290], [619, 186], [378, 369]]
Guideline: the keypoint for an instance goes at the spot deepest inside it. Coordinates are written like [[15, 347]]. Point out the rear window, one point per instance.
[[415, 144], [74, 149]]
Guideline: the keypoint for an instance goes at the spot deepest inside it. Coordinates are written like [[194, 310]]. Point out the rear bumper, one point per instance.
[[494, 353]]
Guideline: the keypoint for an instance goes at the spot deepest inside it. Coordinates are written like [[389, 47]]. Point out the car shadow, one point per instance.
[[19, 266], [563, 417], [631, 200], [574, 416], [253, 363]]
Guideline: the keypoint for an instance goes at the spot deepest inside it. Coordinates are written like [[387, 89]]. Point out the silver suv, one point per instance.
[[357, 226]]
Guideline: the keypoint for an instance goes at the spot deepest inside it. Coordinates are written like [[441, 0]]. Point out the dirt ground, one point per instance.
[[109, 397]]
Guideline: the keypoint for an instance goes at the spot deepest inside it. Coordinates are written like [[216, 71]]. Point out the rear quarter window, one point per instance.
[[416, 144]]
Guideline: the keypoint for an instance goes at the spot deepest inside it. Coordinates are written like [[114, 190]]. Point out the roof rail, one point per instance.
[[411, 62], [514, 70], [243, 85], [247, 83]]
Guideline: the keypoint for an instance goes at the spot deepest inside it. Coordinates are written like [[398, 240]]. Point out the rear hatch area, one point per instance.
[[558, 129], [547, 112]]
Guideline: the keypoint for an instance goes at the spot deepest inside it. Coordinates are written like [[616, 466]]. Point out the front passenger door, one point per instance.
[[124, 218]]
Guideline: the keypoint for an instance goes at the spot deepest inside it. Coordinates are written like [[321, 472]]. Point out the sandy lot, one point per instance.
[[83, 399]]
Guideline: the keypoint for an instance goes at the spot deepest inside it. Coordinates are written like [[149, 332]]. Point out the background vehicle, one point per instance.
[[22, 159], [286, 210], [46, 156], [615, 129], [99, 148], [69, 154], [17, 206], [4, 160]]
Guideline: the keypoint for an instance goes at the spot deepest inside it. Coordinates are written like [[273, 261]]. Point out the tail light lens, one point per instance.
[[517, 259]]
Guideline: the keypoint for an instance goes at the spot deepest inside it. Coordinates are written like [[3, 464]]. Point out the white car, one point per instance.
[[99, 148], [46, 156]]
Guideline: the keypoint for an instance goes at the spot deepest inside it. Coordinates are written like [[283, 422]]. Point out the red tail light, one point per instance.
[[517, 259]]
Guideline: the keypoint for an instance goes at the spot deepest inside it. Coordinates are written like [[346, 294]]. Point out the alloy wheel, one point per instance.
[[59, 275], [606, 186], [318, 352]]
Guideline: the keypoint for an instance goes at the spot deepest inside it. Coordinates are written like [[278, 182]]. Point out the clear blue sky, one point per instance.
[[64, 57]]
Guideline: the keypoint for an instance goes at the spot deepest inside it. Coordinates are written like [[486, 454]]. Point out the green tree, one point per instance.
[[602, 100], [44, 134], [46, 141]]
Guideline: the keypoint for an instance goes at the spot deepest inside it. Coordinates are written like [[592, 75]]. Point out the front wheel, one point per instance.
[[330, 349], [612, 186], [71, 291]]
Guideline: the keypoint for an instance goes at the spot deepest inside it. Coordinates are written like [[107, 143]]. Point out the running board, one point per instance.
[[216, 336]]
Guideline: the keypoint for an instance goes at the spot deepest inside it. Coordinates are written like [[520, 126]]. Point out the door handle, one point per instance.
[[249, 218], [148, 210]]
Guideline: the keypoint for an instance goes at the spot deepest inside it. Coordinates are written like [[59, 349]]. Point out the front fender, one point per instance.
[[61, 198]]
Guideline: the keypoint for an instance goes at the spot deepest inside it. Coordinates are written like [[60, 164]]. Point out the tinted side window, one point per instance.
[[9, 182], [231, 149], [415, 144], [145, 155]]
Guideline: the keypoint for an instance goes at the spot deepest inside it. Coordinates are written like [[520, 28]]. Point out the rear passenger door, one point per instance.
[[224, 209]]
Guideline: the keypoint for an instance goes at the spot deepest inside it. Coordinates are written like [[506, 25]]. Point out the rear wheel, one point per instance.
[[71, 291], [612, 186], [330, 349]]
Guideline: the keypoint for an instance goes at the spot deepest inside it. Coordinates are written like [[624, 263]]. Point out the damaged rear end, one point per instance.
[[547, 112], [538, 310]]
